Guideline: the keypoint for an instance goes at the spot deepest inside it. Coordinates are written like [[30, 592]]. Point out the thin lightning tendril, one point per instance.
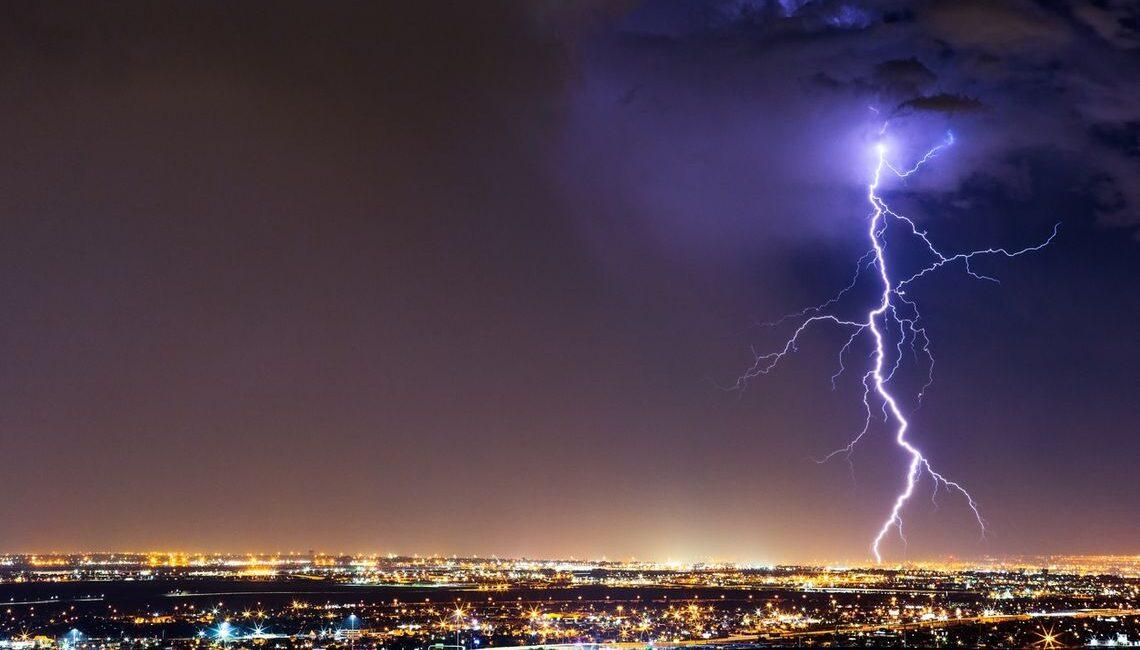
[[896, 315]]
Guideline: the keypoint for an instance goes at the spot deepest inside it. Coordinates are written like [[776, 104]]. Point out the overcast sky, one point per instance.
[[471, 277]]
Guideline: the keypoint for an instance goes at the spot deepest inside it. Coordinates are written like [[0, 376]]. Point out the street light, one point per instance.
[[459, 613], [352, 620], [224, 632]]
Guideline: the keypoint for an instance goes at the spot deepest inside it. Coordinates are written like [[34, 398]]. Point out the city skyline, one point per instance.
[[133, 601]]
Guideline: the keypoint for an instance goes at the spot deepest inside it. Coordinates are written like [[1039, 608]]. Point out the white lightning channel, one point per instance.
[[893, 314]]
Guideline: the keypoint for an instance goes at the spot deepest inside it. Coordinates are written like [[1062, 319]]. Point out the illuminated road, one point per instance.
[[895, 627], [953, 622]]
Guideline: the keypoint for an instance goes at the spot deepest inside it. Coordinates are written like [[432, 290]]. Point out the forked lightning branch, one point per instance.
[[893, 326]]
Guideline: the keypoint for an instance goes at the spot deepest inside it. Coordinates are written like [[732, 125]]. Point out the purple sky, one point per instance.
[[467, 278]]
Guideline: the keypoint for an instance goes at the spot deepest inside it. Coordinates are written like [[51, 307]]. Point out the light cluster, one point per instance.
[[351, 601]]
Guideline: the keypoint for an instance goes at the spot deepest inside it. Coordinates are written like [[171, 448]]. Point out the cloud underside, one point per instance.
[[1056, 77]]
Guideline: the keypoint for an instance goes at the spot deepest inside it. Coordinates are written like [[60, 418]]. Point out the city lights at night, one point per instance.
[[632, 324], [300, 600]]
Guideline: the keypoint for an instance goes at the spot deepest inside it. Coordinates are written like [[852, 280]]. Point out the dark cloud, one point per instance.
[[1018, 28], [1116, 21], [902, 76], [1047, 80], [940, 103]]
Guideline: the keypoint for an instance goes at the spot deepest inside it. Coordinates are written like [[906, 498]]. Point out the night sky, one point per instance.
[[472, 277]]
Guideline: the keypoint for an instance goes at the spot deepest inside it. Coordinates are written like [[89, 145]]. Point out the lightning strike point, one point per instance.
[[895, 314]]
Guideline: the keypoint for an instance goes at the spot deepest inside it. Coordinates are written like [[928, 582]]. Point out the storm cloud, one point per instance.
[[1017, 79]]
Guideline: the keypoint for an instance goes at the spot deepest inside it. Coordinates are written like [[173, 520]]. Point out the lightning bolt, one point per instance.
[[891, 323]]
